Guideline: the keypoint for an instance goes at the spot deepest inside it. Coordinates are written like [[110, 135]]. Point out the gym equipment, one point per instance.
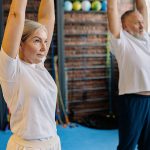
[[77, 6], [60, 100], [68, 5], [86, 5], [96, 5], [104, 5], [60, 105]]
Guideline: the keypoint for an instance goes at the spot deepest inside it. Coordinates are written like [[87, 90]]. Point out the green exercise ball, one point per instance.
[[96, 5]]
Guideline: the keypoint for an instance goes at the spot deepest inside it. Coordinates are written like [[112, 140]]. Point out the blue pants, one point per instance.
[[134, 122]]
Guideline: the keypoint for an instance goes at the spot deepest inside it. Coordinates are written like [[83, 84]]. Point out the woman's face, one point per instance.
[[34, 49]]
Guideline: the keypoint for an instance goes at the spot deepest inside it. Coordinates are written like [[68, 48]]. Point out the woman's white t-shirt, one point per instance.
[[30, 93], [133, 58]]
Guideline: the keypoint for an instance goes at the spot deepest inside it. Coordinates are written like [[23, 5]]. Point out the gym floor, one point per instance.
[[77, 137]]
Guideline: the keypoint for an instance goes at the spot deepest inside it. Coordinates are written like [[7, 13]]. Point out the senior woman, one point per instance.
[[28, 88]]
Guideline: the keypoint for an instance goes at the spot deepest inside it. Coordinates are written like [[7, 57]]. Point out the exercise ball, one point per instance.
[[104, 5], [76, 5], [96, 5], [68, 6], [86, 5]]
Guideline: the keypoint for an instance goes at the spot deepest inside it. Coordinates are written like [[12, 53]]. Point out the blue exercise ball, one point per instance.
[[104, 5]]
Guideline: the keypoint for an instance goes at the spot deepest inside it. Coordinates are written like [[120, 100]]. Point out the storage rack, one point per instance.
[[86, 69]]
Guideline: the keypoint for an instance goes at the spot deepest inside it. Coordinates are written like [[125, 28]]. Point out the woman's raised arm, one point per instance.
[[14, 27], [46, 16]]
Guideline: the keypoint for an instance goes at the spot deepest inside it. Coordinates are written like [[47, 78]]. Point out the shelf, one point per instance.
[[88, 100], [86, 56], [85, 22], [90, 110], [86, 79], [85, 45], [86, 34], [87, 89], [87, 67], [86, 12]]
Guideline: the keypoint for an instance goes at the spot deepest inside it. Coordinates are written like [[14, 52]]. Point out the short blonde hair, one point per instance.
[[30, 27]]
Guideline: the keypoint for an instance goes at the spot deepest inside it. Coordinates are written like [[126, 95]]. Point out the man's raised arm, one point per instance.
[[142, 8], [113, 18]]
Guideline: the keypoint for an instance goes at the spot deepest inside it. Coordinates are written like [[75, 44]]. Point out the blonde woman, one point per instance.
[[28, 88]]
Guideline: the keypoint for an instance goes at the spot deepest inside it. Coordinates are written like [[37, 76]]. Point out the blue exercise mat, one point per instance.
[[78, 137]]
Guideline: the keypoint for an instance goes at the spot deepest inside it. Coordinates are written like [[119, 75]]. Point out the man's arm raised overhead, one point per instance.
[[113, 18]]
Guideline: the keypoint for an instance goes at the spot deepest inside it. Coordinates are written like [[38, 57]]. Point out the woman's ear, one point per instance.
[[21, 51], [20, 47]]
